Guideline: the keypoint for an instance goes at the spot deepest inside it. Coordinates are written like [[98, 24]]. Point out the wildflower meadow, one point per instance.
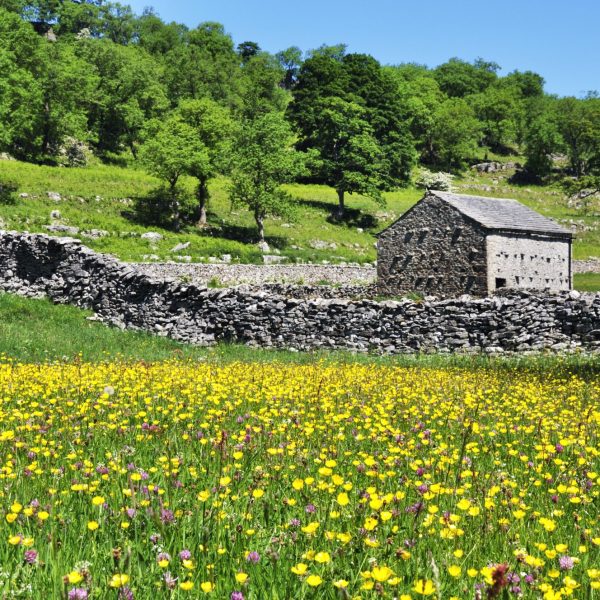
[[259, 481]]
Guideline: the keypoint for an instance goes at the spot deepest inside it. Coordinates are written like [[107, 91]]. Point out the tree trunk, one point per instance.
[[260, 224], [133, 150], [175, 209], [339, 213], [46, 136], [203, 197]]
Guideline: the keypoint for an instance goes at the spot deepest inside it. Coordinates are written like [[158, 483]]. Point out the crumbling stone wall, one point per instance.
[[435, 250], [67, 272]]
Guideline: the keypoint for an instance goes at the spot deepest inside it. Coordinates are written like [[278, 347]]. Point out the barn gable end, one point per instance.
[[432, 249]]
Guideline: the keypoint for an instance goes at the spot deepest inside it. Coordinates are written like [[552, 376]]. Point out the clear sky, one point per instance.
[[559, 39]]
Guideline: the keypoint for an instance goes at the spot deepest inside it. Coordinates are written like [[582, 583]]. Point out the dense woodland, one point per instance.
[[91, 78]]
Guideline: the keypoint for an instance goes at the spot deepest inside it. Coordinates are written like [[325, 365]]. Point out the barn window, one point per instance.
[[500, 282]]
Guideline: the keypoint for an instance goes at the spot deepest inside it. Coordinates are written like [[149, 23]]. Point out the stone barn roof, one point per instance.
[[501, 214]]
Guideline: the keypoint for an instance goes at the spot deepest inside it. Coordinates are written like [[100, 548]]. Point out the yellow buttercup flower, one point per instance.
[[299, 569], [342, 499], [74, 577], [381, 574], [314, 580], [424, 587], [119, 580]]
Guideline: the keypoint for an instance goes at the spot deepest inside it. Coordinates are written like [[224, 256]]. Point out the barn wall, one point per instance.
[[528, 261], [433, 250]]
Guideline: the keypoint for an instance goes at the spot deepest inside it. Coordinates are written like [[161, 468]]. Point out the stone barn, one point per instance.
[[450, 244]]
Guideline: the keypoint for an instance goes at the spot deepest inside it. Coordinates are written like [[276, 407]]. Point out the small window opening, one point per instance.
[[500, 282]]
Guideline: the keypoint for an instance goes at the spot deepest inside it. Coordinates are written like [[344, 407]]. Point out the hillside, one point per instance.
[[102, 198]]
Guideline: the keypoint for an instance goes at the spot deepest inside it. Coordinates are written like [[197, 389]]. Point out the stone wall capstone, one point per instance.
[[68, 272]]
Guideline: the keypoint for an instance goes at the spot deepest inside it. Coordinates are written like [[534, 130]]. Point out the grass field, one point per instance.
[[94, 199], [587, 282]]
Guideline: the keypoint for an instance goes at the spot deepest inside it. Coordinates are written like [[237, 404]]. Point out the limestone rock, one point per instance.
[[152, 236]]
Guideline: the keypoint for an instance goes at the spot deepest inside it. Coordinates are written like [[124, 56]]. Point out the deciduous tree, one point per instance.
[[214, 127], [173, 149], [262, 160], [349, 157]]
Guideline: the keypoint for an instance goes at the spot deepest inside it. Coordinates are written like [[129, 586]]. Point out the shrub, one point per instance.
[[434, 181], [165, 207], [8, 192]]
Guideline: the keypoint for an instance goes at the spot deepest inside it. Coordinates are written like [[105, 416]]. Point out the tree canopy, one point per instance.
[[93, 73]]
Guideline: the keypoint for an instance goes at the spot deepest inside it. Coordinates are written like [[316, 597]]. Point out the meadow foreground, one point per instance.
[[182, 479]]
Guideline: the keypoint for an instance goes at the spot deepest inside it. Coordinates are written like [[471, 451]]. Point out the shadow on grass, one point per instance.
[[353, 217], [244, 234]]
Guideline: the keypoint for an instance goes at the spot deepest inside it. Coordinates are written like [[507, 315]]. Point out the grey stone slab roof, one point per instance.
[[502, 213]]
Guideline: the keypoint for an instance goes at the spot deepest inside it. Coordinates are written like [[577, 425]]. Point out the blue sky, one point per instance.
[[558, 39]]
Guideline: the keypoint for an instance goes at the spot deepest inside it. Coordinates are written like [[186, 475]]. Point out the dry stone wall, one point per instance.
[[67, 272]]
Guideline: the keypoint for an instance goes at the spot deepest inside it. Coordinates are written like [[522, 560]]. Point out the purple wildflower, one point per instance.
[[185, 555], [237, 596], [566, 563], [31, 556], [170, 581], [253, 557], [77, 594], [166, 515], [125, 593], [310, 508], [415, 508]]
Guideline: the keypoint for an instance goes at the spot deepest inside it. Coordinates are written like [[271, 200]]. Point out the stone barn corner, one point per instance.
[[449, 244]]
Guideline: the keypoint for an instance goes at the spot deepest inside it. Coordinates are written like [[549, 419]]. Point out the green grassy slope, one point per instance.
[[94, 199]]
